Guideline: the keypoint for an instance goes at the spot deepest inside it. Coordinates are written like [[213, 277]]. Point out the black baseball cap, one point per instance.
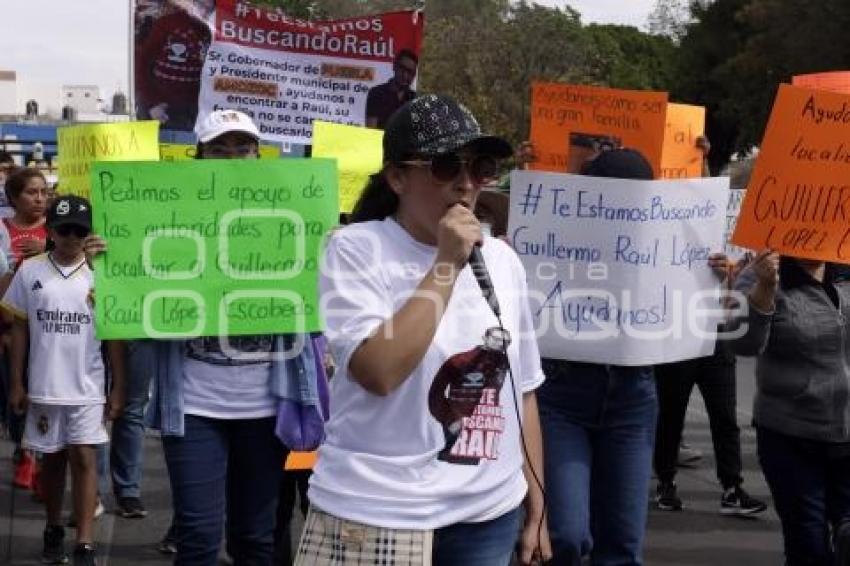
[[620, 164], [433, 125], [69, 209]]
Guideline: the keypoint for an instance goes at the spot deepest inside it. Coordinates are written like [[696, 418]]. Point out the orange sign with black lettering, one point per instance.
[[798, 198], [680, 157], [572, 123], [835, 81]]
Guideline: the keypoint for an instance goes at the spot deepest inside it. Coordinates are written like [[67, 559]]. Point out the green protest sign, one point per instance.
[[210, 247]]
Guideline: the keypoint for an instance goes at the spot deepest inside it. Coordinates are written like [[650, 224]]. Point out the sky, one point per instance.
[[54, 42]]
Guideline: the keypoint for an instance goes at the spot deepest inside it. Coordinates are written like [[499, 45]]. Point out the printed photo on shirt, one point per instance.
[[465, 399]]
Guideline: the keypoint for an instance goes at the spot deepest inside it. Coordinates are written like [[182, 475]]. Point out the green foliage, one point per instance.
[[735, 53], [707, 75], [489, 60], [625, 57], [728, 55]]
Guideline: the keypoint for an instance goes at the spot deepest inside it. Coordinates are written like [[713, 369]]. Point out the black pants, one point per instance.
[[810, 485], [715, 377], [290, 483]]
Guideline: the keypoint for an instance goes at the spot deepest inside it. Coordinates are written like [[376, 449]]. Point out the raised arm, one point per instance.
[[384, 360]]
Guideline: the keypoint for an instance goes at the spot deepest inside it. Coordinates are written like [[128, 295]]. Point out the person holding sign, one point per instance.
[[434, 397], [215, 400], [65, 375], [715, 376], [797, 327], [598, 431]]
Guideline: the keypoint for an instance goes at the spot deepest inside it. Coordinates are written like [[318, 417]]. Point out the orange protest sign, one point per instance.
[[798, 198], [301, 461], [570, 123], [835, 81], [680, 158]]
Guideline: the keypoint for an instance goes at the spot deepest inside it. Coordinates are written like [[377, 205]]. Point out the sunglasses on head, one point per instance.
[[445, 168], [66, 230]]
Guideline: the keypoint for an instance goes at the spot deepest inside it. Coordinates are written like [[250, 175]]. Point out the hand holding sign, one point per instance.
[[766, 268]]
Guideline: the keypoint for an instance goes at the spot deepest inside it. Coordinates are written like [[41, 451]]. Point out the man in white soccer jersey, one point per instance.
[[65, 392]]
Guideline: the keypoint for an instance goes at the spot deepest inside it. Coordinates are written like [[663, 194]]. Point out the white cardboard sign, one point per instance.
[[618, 269]]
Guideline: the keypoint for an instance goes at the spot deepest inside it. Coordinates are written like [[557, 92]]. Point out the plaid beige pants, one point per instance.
[[331, 541]]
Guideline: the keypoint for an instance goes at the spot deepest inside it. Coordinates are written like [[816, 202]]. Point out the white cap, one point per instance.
[[223, 121]]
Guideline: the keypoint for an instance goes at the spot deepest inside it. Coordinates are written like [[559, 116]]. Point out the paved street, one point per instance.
[[697, 536]]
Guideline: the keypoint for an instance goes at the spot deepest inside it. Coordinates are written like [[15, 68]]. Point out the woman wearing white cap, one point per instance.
[[216, 410]]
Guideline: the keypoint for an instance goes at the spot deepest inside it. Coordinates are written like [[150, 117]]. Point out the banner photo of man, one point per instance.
[[195, 56], [171, 42]]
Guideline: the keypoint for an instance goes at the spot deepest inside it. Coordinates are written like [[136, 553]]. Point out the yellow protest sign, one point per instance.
[[358, 152], [184, 151], [572, 123], [176, 151], [680, 158], [80, 146], [797, 198]]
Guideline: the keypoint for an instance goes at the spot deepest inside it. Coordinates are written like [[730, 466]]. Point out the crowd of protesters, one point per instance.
[[448, 441]]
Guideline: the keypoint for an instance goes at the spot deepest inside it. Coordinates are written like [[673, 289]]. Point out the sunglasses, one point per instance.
[[66, 230], [445, 168], [244, 150]]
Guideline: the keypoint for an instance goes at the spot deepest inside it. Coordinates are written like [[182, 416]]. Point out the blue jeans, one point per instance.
[[810, 485], [128, 431], [598, 432], [224, 468], [490, 543]]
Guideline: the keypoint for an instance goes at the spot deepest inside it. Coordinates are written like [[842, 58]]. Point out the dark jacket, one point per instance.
[[803, 349]]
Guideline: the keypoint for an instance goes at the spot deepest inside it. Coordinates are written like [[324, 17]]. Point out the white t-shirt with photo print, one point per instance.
[[445, 446], [65, 361]]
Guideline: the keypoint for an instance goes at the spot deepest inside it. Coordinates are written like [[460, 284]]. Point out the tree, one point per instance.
[[669, 18], [489, 60], [736, 53], [625, 57], [706, 77]]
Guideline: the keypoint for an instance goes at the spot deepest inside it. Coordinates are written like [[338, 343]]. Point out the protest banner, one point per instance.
[[184, 151], [618, 269], [80, 146], [733, 210], [835, 81], [797, 197], [358, 153], [680, 157], [210, 247], [282, 71], [570, 123]]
